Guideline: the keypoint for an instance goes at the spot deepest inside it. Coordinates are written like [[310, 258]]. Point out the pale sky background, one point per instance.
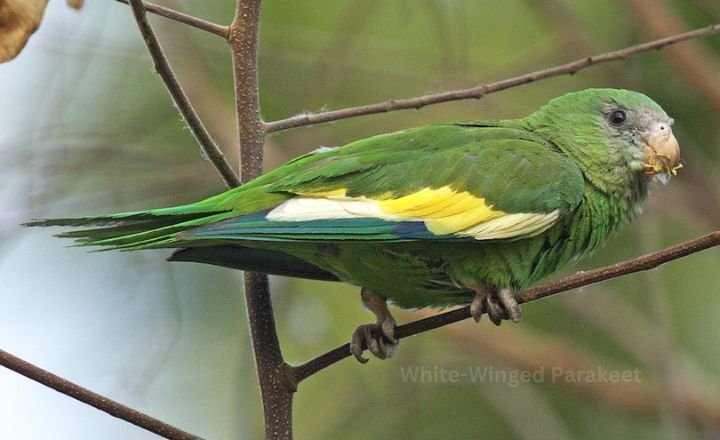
[[111, 330]]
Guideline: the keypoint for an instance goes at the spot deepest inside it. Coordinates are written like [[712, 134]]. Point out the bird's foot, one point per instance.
[[499, 304], [373, 336], [378, 338]]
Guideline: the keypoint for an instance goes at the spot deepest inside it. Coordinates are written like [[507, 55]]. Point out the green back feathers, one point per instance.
[[514, 169]]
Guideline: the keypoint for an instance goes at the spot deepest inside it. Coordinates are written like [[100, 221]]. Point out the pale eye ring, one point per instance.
[[617, 117]]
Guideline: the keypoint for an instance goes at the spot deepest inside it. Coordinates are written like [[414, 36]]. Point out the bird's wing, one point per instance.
[[444, 182]]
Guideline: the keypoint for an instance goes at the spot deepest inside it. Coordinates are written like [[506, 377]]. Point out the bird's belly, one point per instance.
[[430, 274]]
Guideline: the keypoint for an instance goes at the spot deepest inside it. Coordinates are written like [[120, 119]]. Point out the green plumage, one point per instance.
[[567, 162]]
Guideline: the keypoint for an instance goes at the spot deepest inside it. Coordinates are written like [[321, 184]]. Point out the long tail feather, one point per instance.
[[133, 230]]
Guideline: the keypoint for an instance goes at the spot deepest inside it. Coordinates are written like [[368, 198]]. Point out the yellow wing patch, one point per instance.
[[443, 210]]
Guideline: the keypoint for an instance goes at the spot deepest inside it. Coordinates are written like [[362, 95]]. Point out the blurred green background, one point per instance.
[[86, 128]]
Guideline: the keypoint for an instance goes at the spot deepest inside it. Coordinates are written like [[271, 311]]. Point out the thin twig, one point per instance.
[[478, 92], [91, 398], [185, 108], [580, 279], [276, 390], [697, 63], [190, 20]]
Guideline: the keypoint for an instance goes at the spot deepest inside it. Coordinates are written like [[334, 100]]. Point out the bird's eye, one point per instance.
[[618, 117]]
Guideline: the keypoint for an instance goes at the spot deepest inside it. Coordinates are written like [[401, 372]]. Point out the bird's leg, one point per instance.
[[499, 303], [379, 338]]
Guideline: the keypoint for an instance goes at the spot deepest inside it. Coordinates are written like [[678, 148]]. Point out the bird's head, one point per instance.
[[611, 131]]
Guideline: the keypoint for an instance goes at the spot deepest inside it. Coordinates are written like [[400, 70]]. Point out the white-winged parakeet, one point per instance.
[[435, 216]]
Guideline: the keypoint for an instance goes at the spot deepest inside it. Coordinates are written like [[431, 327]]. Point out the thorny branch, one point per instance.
[[478, 92], [646, 262], [185, 108]]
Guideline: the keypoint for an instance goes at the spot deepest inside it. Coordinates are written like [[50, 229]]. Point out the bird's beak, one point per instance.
[[662, 152]]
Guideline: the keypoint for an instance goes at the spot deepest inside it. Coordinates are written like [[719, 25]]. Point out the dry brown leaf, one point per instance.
[[18, 20], [75, 4]]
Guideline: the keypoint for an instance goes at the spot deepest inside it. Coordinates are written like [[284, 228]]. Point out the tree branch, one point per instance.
[[243, 40], [213, 28], [93, 399], [276, 390], [185, 108], [478, 92], [646, 262], [696, 63]]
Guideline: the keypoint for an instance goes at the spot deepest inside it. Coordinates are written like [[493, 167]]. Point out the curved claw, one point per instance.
[[380, 349], [477, 307], [495, 311], [510, 305], [499, 304], [359, 336], [373, 336], [379, 338]]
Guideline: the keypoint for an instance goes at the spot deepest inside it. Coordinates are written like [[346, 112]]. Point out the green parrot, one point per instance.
[[435, 216]]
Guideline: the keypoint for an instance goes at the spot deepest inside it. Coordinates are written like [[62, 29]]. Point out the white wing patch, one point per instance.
[[506, 226], [318, 208]]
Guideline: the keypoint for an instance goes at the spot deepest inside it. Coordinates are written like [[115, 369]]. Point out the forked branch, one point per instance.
[[185, 108], [190, 20]]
